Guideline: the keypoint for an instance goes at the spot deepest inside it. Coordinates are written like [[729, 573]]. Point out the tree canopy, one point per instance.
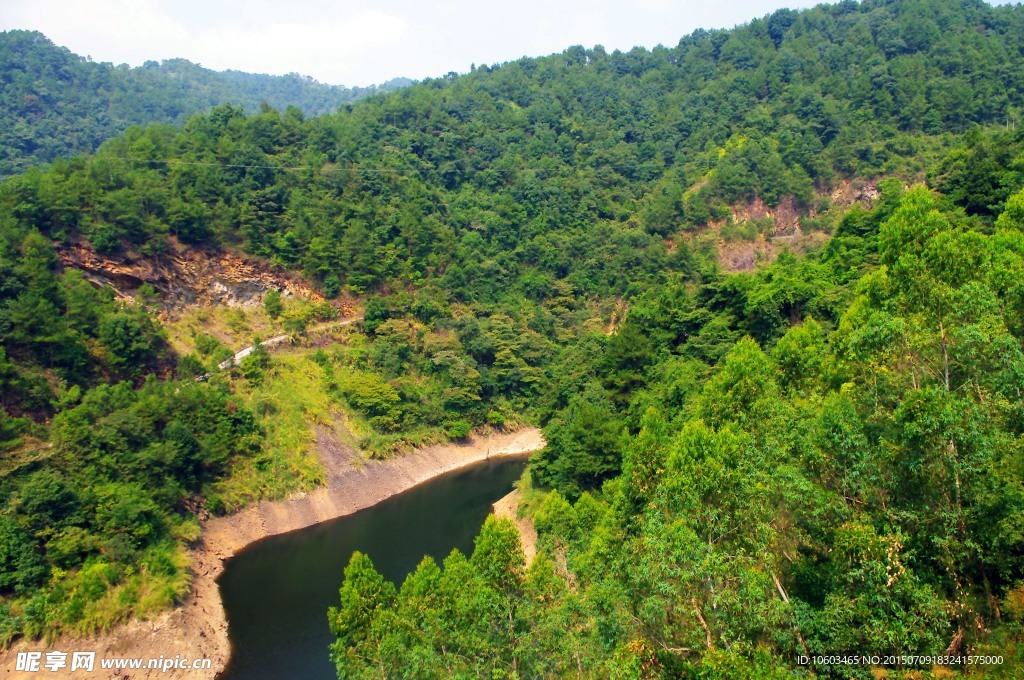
[[818, 455], [55, 104]]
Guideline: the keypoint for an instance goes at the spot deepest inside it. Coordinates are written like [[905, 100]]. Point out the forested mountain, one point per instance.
[[56, 104], [820, 456], [562, 168]]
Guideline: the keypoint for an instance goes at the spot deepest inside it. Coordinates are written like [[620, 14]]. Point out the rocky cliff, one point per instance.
[[185, 276]]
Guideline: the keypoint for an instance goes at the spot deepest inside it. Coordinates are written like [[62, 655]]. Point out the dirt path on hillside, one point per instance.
[[278, 339], [198, 627]]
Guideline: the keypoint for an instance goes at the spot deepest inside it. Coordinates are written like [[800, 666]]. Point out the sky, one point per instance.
[[353, 42]]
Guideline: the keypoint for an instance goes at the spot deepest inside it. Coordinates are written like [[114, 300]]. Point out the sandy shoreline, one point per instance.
[[198, 628]]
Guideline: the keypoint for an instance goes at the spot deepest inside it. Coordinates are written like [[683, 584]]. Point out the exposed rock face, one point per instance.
[[785, 231], [849, 192], [786, 217], [186, 276]]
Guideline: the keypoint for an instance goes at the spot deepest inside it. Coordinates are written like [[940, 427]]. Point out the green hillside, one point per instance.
[[819, 456], [55, 104], [562, 168]]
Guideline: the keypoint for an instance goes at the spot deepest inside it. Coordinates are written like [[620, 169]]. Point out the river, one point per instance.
[[276, 592]]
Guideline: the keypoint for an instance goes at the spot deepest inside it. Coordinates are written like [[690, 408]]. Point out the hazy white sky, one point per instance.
[[356, 42]]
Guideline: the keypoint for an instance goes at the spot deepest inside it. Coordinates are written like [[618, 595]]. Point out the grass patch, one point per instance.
[[232, 327], [215, 333], [530, 499], [99, 596], [288, 401], [387, 445], [29, 451]]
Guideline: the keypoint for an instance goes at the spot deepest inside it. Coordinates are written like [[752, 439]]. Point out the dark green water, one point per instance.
[[276, 592]]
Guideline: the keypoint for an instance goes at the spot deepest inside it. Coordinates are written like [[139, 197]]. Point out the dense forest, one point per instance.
[[823, 458], [56, 104], [821, 455]]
